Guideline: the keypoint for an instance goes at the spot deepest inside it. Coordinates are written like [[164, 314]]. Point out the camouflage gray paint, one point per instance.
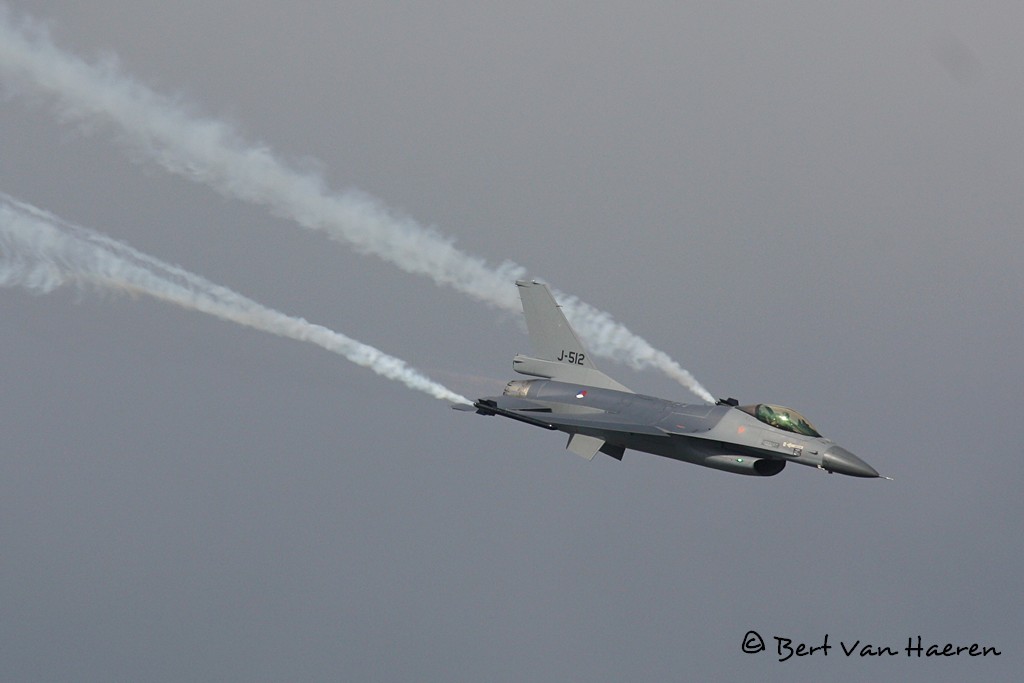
[[601, 415]]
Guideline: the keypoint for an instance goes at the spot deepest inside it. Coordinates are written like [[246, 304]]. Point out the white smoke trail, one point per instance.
[[213, 153], [41, 252]]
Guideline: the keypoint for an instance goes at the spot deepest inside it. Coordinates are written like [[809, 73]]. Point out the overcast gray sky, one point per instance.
[[811, 205]]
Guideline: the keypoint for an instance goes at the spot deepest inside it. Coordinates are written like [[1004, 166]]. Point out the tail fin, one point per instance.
[[550, 333], [560, 355]]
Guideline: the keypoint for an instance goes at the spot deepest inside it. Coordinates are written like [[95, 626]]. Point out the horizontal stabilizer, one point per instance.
[[562, 372]]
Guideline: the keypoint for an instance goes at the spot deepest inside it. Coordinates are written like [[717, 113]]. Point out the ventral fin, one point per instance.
[[584, 446]]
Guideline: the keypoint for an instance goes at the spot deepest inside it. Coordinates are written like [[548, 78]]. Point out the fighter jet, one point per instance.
[[569, 394]]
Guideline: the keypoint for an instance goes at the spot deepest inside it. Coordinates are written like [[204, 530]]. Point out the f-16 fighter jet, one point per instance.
[[569, 394]]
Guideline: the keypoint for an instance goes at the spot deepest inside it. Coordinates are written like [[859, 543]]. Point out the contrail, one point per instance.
[[213, 153], [40, 252]]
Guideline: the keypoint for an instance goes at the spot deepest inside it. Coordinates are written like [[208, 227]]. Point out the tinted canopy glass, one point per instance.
[[783, 418]]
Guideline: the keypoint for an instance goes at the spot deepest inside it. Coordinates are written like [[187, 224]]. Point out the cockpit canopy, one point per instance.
[[783, 418]]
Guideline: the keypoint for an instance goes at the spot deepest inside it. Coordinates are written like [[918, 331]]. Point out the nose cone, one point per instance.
[[840, 460]]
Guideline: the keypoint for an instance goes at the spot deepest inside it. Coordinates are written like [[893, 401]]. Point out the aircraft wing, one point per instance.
[[539, 415]]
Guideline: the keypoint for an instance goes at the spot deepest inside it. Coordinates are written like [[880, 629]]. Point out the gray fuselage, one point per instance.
[[720, 436]]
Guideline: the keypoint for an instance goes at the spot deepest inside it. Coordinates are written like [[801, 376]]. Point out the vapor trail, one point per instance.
[[213, 153], [41, 252]]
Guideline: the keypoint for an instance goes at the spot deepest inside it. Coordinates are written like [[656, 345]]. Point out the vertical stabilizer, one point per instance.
[[558, 352], [550, 334]]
